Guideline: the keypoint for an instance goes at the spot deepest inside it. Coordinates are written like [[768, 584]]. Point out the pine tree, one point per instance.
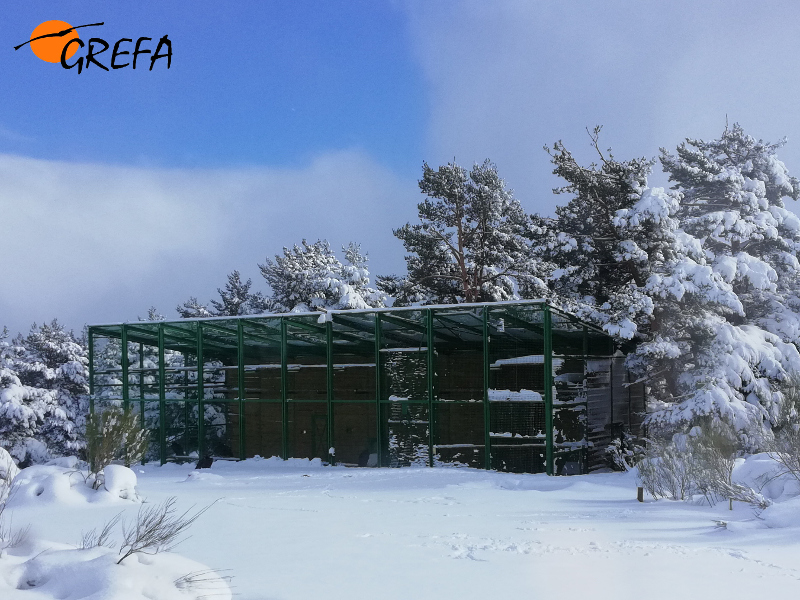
[[728, 316], [236, 298], [471, 243], [605, 243], [310, 277], [192, 308], [52, 360]]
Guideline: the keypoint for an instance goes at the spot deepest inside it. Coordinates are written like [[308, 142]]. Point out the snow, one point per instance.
[[297, 529], [46, 570], [8, 468], [512, 396], [120, 481]]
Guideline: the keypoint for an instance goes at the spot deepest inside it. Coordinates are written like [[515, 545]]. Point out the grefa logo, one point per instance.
[[57, 41]]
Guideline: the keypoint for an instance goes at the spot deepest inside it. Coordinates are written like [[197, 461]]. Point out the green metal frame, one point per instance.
[[361, 333]]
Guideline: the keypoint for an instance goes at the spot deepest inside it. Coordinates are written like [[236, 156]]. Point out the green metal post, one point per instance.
[[141, 390], [90, 333], [125, 383], [431, 375], [378, 389], [240, 384], [548, 388], [329, 387], [201, 408], [162, 398], [124, 362], [487, 415], [586, 413], [284, 393], [611, 390]]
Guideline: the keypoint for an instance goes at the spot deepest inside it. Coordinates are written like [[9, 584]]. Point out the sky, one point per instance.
[[279, 121]]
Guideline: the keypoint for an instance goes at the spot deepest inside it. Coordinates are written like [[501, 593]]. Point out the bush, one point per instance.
[[624, 452], [698, 463], [785, 447], [113, 435]]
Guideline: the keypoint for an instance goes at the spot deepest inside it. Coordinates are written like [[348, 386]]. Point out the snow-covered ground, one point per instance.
[[298, 530]]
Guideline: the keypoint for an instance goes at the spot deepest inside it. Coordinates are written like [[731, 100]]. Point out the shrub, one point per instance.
[[113, 435], [698, 463]]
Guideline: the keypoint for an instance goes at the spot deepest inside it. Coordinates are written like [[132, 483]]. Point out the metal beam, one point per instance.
[[201, 417], [90, 333], [240, 385], [141, 390], [162, 397], [431, 374], [329, 388], [124, 363], [378, 390], [548, 390], [284, 394], [487, 414]]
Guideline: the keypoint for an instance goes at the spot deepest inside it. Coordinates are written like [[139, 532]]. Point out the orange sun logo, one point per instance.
[[56, 35]]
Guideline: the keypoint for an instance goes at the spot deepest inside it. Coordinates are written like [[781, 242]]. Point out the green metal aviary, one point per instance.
[[511, 386]]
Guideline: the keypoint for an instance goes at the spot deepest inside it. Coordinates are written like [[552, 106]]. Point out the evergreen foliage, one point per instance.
[[43, 393], [471, 244], [311, 277]]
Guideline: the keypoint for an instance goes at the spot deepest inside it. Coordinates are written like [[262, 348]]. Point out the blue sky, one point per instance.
[[252, 83], [292, 119]]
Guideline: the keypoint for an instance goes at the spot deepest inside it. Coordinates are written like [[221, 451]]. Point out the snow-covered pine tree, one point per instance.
[[193, 308], [43, 393], [728, 317], [55, 360], [608, 239], [310, 277], [471, 243], [236, 298], [23, 408]]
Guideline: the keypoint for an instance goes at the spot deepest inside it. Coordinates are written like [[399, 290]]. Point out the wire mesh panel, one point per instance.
[[107, 363], [459, 434], [263, 428], [261, 349], [308, 430], [354, 434], [405, 412], [406, 433], [570, 426], [181, 431], [458, 409], [598, 396], [517, 389], [220, 419]]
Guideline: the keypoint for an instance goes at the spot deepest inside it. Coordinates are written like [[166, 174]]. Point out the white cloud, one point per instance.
[[95, 243], [507, 78]]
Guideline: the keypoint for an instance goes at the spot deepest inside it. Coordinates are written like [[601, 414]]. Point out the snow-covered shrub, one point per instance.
[[114, 434], [120, 481], [785, 446], [665, 470], [702, 463], [8, 468], [624, 452]]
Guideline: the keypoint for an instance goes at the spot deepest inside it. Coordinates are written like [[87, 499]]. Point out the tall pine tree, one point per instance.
[[471, 244], [728, 326]]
